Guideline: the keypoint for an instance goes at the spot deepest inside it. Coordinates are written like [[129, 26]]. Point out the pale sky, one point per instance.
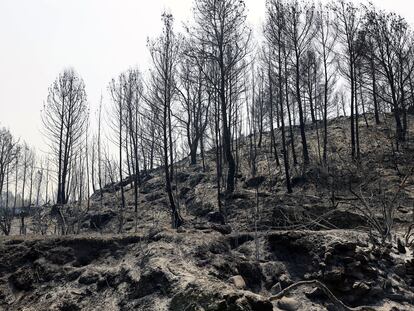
[[99, 38]]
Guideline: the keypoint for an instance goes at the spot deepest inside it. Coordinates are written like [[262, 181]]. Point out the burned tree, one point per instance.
[[133, 96], [300, 30], [194, 104], [64, 118], [393, 61], [274, 32], [347, 25], [326, 40], [165, 54], [9, 151], [117, 90], [222, 38]]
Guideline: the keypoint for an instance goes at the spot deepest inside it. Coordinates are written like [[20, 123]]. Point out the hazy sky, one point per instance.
[[99, 38]]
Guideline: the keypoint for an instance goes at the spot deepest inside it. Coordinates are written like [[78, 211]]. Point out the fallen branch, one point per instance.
[[338, 303]]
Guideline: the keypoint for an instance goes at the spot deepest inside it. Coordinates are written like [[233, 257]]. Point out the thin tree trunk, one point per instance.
[[122, 207], [352, 111], [282, 120], [358, 151], [301, 119], [374, 91], [272, 130]]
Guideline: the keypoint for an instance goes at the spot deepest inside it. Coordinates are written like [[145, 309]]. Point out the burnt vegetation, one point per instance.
[[243, 171]]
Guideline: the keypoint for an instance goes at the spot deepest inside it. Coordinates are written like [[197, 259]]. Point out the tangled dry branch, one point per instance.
[[339, 305]]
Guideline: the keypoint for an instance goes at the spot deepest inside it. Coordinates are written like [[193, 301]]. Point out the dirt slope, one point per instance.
[[200, 270], [219, 262]]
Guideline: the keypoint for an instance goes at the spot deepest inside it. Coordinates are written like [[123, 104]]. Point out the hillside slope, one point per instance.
[[266, 241]]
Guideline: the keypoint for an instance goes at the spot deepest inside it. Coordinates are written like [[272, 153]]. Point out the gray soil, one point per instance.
[[231, 261]]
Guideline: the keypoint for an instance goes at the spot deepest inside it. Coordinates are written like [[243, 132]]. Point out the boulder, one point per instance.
[[238, 281], [289, 304]]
